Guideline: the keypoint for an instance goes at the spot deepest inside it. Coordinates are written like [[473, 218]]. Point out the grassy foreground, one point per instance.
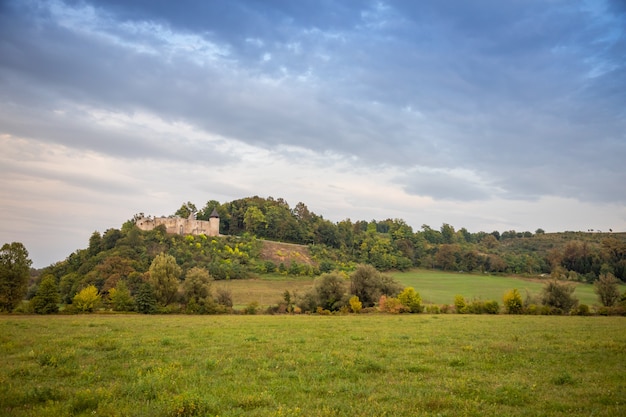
[[368, 365]]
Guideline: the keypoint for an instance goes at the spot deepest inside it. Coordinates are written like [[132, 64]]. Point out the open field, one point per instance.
[[435, 287], [440, 287], [367, 365]]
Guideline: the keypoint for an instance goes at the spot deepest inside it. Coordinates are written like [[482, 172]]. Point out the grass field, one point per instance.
[[440, 287], [368, 365], [435, 287]]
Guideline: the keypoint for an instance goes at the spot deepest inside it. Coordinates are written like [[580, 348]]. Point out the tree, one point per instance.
[[411, 299], [197, 284], [254, 221], [120, 298], [47, 299], [145, 300], [186, 210], [164, 274], [330, 290], [87, 300], [14, 274], [607, 289], [559, 296], [368, 284]]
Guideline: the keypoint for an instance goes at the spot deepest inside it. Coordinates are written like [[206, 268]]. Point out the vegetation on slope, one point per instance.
[[265, 236]]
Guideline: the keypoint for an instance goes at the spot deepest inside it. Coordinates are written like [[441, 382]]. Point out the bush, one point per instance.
[[492, 307], [433, 309], [583, 310], [559, 296], [460, 305], [355, 305], [87, 300], [329, 290], [120, 298], [391, 305], [607, 289], [252, 308], [513, 302], [224, 297], [411, 300], [368, 284]]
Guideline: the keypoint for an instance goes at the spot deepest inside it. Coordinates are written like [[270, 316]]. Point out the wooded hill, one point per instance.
[[312, 245]]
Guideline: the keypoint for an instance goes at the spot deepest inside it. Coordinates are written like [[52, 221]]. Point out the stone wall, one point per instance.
[[178, 225]]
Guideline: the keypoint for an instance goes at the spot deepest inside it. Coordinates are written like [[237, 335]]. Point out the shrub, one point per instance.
[[492, 307], [120, 298], [411, 300], [513, 302], [460, 305], [251, 308], [446, 308], [368, 284], [355, 304], [583, 310], [391, 305], [433, 309], [559, 296], [329, 290], [87, 300], [607, 289], [224, 297]]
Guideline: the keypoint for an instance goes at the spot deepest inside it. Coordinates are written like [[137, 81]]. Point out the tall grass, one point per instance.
[[374, 365]]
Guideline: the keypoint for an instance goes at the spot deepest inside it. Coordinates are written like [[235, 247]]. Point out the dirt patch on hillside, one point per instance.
[[286, 253]]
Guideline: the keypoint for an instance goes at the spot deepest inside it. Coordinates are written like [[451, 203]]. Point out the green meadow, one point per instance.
[[438, 287], [351, 365], [435, 287]]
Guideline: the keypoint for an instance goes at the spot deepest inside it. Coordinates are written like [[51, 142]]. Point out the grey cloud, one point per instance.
[[500, 88]]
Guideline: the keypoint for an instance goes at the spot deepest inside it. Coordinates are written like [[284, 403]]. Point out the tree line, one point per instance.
[[125, 255]]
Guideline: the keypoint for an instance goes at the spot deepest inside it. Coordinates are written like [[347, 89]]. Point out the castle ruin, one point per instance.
[[181, 226]]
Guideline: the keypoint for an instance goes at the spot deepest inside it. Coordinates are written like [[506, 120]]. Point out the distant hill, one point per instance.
[[266, 235]]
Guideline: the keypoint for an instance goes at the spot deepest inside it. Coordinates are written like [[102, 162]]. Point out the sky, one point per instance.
[[484, 114]]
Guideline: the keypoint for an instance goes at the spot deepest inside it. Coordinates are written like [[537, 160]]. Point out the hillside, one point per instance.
[[285, 253], [266, 236]]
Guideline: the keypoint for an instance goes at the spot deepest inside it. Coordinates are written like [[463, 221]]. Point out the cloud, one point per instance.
[[436, 105]]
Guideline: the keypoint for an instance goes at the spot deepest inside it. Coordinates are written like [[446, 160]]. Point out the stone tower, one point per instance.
[[214, 223]]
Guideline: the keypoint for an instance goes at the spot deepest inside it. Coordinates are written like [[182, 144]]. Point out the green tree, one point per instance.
[[197, 285], [186, 210], [411, 299], [330, 290], [164, 277], [87, 300], [145, 300], [14, 274], [120, 297], [368, 284], [559, 296], [254, 221], [513, 303], [607, 289], [47, 299]]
